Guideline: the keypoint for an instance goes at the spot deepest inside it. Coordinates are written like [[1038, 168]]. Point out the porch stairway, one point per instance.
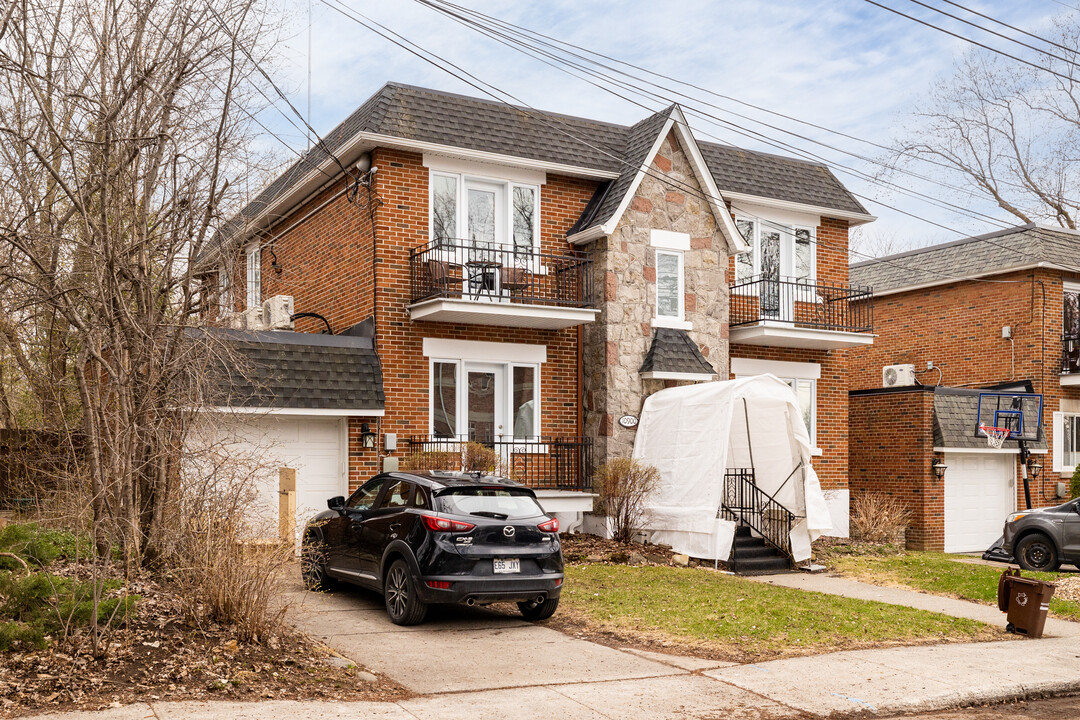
[[751, 555], [762, 543]]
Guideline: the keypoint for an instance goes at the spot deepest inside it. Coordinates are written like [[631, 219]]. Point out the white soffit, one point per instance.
[[779, 368], [477, 350]]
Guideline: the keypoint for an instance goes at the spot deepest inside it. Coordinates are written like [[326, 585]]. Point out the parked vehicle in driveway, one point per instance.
[[438, 537], [1043, 539]]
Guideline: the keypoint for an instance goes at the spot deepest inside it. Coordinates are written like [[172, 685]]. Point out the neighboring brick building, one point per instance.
[[527, 280], [987, 311]]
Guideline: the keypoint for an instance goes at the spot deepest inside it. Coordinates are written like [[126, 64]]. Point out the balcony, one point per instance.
[[1070, 360], [559, 469], [463, 281], [786, 312]]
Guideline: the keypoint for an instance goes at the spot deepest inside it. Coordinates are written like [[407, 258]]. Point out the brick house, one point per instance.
[[526, 280], [991, 311]]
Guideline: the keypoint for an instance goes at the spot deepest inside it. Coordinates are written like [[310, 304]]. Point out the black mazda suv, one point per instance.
[[438, 537]]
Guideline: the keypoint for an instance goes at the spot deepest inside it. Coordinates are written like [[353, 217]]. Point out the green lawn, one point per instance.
[[937, 573], [741, 619]]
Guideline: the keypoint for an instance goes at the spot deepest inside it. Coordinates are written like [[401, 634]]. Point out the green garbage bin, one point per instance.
[[1026, 602]]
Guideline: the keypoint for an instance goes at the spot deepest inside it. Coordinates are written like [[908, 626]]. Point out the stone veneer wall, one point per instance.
[[615, 345]]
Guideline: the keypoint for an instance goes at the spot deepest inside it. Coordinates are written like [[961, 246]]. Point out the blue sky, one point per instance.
[[843, 64]]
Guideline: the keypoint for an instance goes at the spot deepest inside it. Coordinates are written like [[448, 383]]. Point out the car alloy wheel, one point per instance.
[[402, 603]]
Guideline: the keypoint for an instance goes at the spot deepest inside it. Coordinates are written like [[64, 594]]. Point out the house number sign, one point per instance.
[[628, 421]]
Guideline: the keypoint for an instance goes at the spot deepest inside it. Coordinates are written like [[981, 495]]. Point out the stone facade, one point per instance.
[[616, 344]]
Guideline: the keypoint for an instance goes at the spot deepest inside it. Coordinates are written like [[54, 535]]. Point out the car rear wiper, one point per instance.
[[488, 513]]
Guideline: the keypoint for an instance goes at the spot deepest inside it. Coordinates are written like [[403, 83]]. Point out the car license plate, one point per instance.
[[507, 565]]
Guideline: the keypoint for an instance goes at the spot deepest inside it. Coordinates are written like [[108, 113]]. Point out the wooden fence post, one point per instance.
[[287, 505]]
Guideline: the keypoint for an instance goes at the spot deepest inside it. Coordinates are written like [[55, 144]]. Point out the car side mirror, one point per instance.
[[337, 504]]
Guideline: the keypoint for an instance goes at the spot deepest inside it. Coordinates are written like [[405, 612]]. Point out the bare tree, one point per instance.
[[1008, 131], [121, 122]]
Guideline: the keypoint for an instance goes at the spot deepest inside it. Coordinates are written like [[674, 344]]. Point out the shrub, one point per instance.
[[623, 485], [1074, 484], [878, 518], [39, 546], [432, 460]]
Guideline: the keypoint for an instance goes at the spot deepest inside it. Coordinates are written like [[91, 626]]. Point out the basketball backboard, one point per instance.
[[1020, 413]]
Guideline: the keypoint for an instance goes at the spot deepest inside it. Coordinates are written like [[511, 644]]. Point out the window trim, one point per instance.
[[679, 320], [462, 180], [253, 276], [1058, 422], [787, 249], [461, 414]]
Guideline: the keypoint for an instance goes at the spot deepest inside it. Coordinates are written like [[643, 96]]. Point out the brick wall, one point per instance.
[[891, 453], [327, 267], [958, 327]]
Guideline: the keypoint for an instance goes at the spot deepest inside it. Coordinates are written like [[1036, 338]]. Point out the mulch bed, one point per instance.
[[580, 549], [157, 657]]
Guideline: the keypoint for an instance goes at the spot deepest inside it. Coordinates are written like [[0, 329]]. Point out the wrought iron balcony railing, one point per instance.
[[495, 272], [1070, 354], [543, 463], [801, 303]]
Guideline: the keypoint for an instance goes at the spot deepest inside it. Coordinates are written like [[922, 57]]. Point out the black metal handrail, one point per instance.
[[802, 303], [1070, 354], [480, 271], [545, 463], [744, 502]]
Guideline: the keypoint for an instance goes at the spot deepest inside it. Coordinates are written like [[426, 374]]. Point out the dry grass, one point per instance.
[[878, 518]]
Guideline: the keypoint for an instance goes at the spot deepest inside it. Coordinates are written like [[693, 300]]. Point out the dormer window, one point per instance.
[[484, 212]]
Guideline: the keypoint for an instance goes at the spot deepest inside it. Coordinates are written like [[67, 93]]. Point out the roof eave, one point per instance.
[[853, 218], [974, 276]]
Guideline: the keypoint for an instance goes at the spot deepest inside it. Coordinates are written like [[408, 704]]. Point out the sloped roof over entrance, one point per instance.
[[955, 413], [673, 353]]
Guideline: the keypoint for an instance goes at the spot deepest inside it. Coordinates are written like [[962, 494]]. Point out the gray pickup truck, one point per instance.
[[1043, 539]]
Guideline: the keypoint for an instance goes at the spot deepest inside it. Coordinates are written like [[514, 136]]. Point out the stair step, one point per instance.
[[757, 551], [761, 566]]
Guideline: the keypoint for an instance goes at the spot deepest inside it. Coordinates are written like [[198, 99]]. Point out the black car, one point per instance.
[[1043, 539], [438, 537]]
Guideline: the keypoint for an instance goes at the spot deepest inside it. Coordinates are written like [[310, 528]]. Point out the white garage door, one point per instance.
[[313, 446], [979, 493]]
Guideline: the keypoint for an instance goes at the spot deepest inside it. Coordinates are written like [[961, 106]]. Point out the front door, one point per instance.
[[485, 401]]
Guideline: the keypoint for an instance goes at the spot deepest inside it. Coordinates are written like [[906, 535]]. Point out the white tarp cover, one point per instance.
[[693, 433]]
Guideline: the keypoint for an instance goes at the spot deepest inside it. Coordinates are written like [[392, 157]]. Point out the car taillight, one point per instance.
[[438, 524], [551, 525], [438, 584]]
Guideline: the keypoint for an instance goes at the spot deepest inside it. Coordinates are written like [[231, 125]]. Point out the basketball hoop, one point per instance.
[[995, 436]]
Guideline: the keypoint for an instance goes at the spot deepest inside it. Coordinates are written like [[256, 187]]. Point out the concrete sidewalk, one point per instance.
[[471, 663]]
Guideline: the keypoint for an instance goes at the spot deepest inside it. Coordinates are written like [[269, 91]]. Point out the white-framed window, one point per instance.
[[484, 211], [254, 276], [1066, 442], [800, 377], [778, 251], [224, 291], [670, 286], [480, 400]]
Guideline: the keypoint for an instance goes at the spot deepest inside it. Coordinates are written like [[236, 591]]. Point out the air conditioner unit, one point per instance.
[[897, 375], [277, 312], [253, 318]]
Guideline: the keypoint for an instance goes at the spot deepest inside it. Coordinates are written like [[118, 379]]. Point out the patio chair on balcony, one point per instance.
[[513, 280], [445, 276]]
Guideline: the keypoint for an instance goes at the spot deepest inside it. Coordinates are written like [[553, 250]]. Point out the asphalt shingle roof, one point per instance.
[[281, 369], [983, 254], [414, 113], [672, 350], [955, 414]]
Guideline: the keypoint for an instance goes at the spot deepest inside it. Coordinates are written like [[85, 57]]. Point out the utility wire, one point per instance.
[[494, 92], [516, 41], [1013, 27]]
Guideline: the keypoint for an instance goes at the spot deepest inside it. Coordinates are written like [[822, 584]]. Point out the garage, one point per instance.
[[980, 490], [285, 400], [313, 446]]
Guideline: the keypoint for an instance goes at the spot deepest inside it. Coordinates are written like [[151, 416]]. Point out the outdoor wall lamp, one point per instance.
[[1035, 468], [366, 436], [939, 468]]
